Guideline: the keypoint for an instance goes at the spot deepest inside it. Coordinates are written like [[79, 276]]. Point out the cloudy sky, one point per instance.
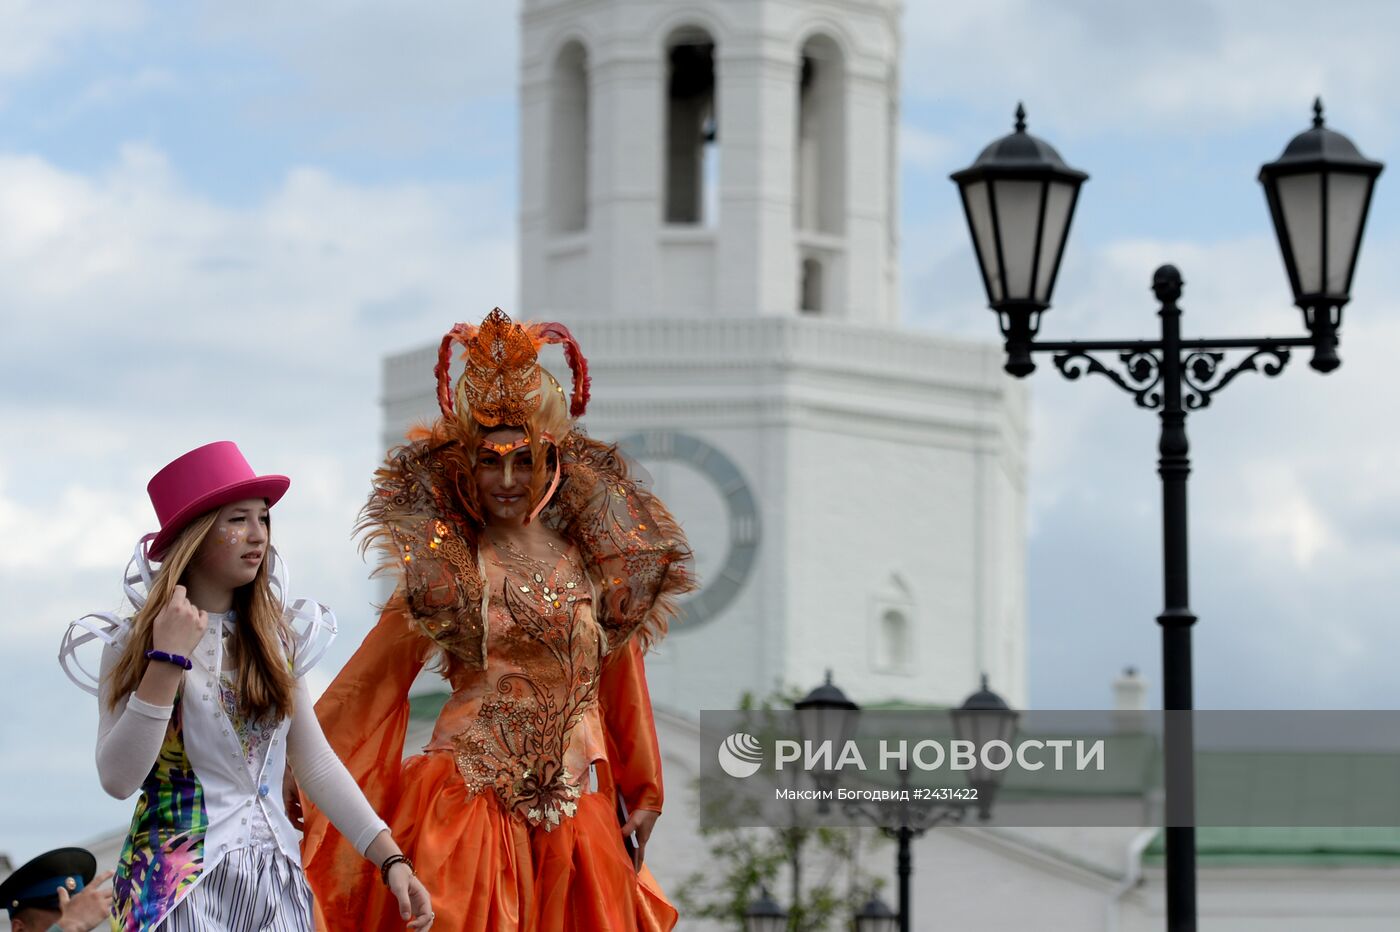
[[215, 220]]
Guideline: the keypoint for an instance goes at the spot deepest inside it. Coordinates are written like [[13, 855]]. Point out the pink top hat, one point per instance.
[[203, 479]]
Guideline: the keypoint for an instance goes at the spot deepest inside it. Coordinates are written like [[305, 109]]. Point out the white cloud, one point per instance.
[[1086, 65], [82, 528], [926, 151], [40, 33], [112, 90], [1278, 518], [386, 77]]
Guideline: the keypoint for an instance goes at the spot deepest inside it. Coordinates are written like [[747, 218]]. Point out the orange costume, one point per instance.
[[510, 814]]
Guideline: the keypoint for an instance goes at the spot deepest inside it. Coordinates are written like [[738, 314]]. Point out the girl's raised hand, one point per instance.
[[179, 626]]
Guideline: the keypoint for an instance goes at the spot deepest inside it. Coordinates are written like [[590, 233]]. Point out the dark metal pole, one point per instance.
[[1176, 619], [794, 841], [906, 868]]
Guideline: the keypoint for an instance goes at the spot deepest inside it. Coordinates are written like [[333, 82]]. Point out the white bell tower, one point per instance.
[[708, 201], [706, 159]]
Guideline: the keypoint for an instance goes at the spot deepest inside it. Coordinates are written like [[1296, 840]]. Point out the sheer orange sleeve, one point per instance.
[[364, 714], [634, 756]]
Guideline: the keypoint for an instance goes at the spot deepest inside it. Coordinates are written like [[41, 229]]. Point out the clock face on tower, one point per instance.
[[689, 474]]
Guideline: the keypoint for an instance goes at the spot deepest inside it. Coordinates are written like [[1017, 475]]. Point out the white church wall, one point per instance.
[[1295, 898], [850, 532]]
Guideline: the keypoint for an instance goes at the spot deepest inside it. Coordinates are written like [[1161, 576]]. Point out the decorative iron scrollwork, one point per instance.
[[1201, 377], [1202, 372], [1141, 378]]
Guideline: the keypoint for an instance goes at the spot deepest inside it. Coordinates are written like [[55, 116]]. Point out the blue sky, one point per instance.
[[215, 220]]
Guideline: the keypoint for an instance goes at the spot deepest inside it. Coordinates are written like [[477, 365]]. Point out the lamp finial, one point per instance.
[[1020, 117], [1317, 112]]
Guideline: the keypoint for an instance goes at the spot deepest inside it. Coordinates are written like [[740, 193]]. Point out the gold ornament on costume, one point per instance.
[[424, 516], [502, 381]]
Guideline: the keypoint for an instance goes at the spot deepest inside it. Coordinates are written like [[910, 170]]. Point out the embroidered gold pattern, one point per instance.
[[514, 727], [442, 583], [502, 379], [516, 745]]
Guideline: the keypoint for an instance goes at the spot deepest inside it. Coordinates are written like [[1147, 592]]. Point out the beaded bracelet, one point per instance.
[[389, 862], [183, 663]]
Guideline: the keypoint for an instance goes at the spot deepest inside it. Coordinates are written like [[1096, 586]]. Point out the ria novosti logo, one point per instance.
[[741, 755]]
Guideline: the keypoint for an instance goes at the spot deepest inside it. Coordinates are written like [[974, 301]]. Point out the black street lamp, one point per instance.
[[825, 714], [1319, 192], [765, 915], [1019, 197], [876, 916], [984, 717]]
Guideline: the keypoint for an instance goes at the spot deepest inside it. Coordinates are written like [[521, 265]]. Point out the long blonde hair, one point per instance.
[[264, 681]]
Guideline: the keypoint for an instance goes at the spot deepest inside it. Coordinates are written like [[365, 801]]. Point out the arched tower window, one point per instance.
[[894, 643], [821, 138], [692, 128], [811, 286], [568, 149]]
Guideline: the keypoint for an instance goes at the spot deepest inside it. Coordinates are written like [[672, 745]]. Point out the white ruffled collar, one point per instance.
[[313, 624]]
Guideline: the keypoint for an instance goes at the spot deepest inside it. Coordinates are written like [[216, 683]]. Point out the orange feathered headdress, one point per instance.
[[504, 385], [502, 381]]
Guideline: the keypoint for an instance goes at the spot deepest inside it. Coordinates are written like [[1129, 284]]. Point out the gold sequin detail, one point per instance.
[[515, 746]]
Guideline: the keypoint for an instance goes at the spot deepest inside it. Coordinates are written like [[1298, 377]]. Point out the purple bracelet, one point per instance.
[[181, 662]]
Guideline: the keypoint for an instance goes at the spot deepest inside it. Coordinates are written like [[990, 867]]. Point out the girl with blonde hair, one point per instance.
[[202, 707]]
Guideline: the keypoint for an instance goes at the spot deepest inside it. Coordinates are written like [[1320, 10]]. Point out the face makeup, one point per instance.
[[232, 552], [504, 465]]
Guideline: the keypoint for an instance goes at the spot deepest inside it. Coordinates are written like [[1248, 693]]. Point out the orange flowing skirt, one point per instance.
[[489, 872]]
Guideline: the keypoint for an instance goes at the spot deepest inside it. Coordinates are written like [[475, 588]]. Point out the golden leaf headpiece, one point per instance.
[[501, 384]]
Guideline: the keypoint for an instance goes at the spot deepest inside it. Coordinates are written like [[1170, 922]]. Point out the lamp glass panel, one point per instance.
[[1300, 197], [980, 728], [979, 212], [877, 924], [1018, 218], [1346, 203], [825, 725], [765, 923], [1058, 201], [809, 722]]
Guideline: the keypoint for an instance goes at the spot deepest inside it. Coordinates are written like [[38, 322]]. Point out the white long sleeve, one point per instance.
[[128, 737], [324, 779]]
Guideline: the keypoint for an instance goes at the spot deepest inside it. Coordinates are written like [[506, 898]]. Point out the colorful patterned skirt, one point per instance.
[[251, 890]]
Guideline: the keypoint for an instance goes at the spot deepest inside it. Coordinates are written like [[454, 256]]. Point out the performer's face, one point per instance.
[[503, 478], [234, 548]]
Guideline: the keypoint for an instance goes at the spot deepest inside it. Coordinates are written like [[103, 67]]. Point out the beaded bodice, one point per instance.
[[527, 727]]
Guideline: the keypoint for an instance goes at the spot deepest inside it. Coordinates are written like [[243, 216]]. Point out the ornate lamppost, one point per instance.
[[1019, 197], [826, 715]]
